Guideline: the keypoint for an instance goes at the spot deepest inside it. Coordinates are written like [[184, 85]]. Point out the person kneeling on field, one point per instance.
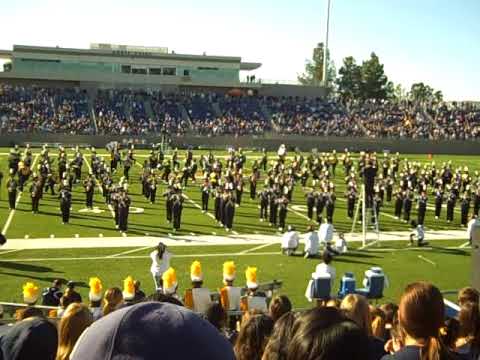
[[311, 242], [290, 241], [418, 234]]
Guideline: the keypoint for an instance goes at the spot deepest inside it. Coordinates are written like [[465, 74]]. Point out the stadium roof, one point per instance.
[[139, 54]]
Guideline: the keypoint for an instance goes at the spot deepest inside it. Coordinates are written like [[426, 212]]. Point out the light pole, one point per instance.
[[325, 49]]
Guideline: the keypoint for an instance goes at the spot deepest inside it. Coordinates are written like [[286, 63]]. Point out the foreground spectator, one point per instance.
[[325, 333], [151, 331], [357, 309], [277, 345], [75, 320], [421, 315], [278, 306], [468, 342], [33, 338], [253, 337], [113, 300], [467, 295]]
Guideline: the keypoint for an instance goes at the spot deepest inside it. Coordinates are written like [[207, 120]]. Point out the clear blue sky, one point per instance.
[[435, 41]]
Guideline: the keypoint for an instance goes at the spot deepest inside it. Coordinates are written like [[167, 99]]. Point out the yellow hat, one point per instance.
[[30, 293], [128, 288], [196, 271], [169, 278], [95, 293], [251, 275], [229, 271]]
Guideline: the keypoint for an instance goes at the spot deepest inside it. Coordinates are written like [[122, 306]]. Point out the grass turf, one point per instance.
[[452, 268]]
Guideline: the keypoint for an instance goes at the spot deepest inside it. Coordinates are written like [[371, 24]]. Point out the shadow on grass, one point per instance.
[[25, 267], [33, 277]]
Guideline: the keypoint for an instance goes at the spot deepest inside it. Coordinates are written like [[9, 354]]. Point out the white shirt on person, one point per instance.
[[324, 268], [159, 266], [325, 233], [290, 240], [311, 242], [470, 226]]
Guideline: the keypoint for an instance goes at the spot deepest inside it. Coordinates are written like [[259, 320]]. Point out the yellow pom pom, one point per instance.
[[95, 285], [229, 270], [251, 276], [30, 293], [196, 271], [169, 278], [128, 288]]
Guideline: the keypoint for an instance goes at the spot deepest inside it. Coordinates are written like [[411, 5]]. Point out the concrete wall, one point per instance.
[[279, 90], [268, 142]]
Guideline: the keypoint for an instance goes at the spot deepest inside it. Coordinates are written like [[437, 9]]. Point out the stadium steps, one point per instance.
[[185, 117], [216, 109]]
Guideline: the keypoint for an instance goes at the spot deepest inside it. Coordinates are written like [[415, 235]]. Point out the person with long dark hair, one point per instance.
[[421, 315], [160, 263]]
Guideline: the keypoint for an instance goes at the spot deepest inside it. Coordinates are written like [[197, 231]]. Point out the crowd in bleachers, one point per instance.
[[139, 112], [41, 110], [125, 324]]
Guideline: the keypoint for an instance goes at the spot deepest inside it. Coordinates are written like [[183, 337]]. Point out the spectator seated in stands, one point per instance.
[[253, 337], [150, 331]]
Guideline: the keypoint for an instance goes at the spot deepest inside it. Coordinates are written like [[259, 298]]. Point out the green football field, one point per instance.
[[446, 263]]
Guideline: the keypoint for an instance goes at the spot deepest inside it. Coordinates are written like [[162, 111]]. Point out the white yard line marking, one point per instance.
[[256, 248], [12, 212], [234, 232], [130, 251], [300, 214], [368, 245], [9, 251], [427, 260], [140, 257], [464, 245]]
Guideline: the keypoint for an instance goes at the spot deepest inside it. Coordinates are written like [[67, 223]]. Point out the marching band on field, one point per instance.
[[222, 183]]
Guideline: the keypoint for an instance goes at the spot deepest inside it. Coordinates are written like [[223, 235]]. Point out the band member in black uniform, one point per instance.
[[451, 201], [115, 199], [168, 203], [152, 187], [127, 164], [464, 208], [330, 206], [253, 185], [422, 208], [263, 205], [476, 202], [216, 204], [369, 174], [282, 212], [399, 197], [228, 214], [50, 184], [264, 160], [12, 185], [351, 200], [407, 206], [239, 189], [205, 189], [273, 208], [65, 197], [89, 186], [310, 204], [377, 204], [35, 194], [389, 188], [123, 210], [438, 203], [177, 207], [319, 205]]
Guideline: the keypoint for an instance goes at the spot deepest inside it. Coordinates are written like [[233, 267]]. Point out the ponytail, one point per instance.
[[432, 349]]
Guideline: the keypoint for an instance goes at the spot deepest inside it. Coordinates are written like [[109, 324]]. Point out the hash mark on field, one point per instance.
[[300, 214], [464, 245], [368, 245], [17, 200], [9, 251], [256, 248], [427, 260], [129, 251], [234, 232]]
